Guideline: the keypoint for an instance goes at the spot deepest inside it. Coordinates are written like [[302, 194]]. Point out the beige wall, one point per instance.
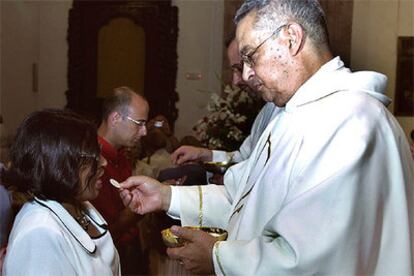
[[376, 27], [32, 32], [199, 50], [35, 31]]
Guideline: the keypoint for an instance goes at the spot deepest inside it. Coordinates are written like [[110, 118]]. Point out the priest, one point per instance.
[[328, 187]]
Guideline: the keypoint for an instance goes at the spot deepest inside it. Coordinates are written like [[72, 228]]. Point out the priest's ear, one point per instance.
[[296, 38]]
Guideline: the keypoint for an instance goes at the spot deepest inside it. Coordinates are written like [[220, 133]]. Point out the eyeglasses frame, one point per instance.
[[248, 58], [140, 123], [92, 156]]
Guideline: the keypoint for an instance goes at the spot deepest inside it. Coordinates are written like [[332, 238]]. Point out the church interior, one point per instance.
[[72, 53], [43, 63]]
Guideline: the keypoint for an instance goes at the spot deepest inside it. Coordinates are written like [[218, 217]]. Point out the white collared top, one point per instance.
[[47, 240]]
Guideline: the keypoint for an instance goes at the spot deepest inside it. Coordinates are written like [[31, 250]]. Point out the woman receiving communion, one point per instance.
[[56, 162]]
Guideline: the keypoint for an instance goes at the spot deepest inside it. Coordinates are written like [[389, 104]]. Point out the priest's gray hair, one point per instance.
[[272, 13]]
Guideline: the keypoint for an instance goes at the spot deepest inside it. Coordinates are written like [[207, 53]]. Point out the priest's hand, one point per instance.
[[196, 254], [144, 194], [188, 153]]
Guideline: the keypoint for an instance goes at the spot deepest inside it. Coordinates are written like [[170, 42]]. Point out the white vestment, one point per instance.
[[260, 123], [328, 189]]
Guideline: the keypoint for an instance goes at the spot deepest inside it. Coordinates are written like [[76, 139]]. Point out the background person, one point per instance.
[[5, 216], [328, 179], [55, 160], [125, 114], [186, 154], [5, 211], [157, 155], [160, 122]]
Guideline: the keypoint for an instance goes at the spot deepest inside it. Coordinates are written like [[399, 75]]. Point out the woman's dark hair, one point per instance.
[[50, 148]]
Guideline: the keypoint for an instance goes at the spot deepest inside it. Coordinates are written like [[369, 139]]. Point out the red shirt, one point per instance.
[[108, 202]]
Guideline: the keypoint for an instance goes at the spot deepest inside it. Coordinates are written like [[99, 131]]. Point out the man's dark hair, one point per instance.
[[50, 148], [412, 135]]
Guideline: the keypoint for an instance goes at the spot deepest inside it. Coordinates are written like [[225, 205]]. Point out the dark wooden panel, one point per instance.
[[339, 16], [157, 18], [404, 84], [230, 8]]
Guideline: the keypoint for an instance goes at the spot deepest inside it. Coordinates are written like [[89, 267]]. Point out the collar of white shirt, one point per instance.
[[333, 77], [73, 227]]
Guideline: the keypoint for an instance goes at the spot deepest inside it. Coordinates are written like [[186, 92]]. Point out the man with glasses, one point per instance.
[[124, 118], [328, 188]]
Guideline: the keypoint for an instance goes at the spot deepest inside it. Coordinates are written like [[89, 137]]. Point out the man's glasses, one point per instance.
[[140, 123], [92, 156], [248, 58]]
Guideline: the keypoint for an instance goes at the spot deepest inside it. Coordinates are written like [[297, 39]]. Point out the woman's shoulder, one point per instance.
[[33, 218]]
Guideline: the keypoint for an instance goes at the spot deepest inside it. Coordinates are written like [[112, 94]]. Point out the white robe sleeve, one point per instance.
[[246, 148], [234, 156], [199, 205], [222, 156], [39, 252]]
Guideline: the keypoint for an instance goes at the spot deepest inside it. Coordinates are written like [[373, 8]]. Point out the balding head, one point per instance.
[[124, 117], [119, 100]]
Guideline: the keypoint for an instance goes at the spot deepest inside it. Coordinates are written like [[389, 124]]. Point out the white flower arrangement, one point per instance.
[[229, 120]]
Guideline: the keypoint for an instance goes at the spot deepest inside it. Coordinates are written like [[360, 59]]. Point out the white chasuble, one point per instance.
[[327, 189]]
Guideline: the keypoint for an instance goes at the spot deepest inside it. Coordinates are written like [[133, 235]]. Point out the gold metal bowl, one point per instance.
[[172, 240], [217, 167]]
